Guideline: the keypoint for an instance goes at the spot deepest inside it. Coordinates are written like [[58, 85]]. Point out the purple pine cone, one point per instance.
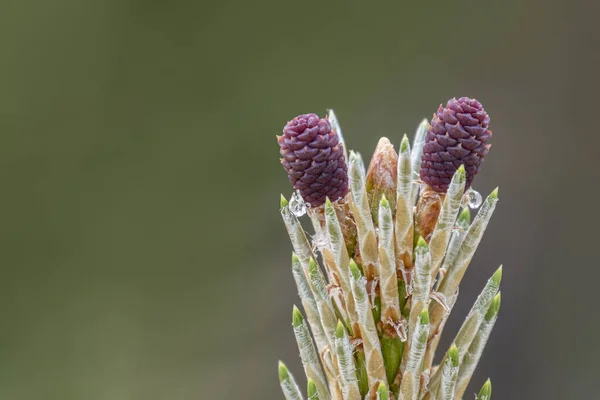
[[457, 135], [314, 159]]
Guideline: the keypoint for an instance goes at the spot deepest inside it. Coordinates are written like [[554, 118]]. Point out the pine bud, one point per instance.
[[382, 176], [314, 159], [458, 135]]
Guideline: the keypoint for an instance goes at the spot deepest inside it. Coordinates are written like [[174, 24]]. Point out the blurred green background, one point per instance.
[[142, 254]]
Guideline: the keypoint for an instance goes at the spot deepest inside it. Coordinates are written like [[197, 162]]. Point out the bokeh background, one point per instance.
[[142, 254]]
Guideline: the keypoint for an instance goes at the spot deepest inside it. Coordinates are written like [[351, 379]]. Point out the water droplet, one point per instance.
[[473, 199], [297, 204]]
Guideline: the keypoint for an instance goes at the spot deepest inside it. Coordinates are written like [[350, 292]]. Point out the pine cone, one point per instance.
[[457, 135], [314, 159]]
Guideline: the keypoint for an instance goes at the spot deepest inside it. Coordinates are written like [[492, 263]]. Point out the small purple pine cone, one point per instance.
[[458, 134], [314, 159]]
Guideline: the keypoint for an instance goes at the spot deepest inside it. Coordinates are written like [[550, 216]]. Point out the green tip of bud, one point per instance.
[[460, 175], [284, 374], [424, 317], [354, 270], [339, 330], [494, 308], [311, 390], [493, 195], [382, 392], [295, 258], [425, 122], [297, 318], [328, 202], [405, 144], [460, 172], [464, 218], [356, 167], [422, 246], [312, 266], [486, 391], [453, 355], [384, 202], [283, 202], [497, 277]]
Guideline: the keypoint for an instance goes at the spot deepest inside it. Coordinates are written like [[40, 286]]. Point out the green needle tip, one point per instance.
[[339, 330], [297, 318], [486, 391], [405, 144], [382, 392], [354, 270], [497, 277], [493, 195], [494, 308], [453, 355], [311, 390], [284, 374], [384, 202]]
